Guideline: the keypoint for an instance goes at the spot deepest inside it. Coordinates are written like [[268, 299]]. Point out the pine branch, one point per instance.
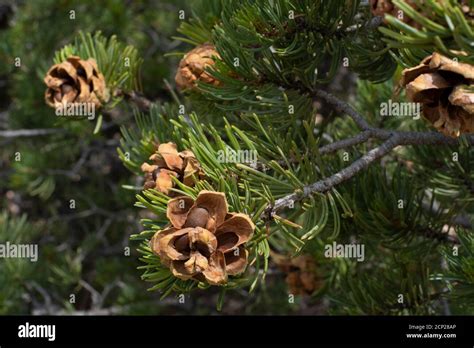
[[437, 296], [325, 185], [29, 132], [374, 23], [406, 137], [392, 139], [439, 236], [73, 173], [344, 107], [342, 144], [143, 103]]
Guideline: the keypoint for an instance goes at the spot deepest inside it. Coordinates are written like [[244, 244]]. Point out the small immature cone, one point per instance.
[[204, 242], [168, 163], [192, 67], [445, 88], [75, 81]]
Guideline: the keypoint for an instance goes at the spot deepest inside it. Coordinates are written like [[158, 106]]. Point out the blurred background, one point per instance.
[[63, 190]]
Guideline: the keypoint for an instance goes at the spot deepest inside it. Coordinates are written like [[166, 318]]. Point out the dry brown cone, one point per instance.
[[168, 163], [383, 7], [301, 273], [192, 67], [445, 88], [75, 81], [204, 242]]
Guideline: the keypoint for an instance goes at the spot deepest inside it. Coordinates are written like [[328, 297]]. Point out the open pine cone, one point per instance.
[[445, 88], [192, 67], [204, 242], [301, 275], [168, 162], [75, 81]]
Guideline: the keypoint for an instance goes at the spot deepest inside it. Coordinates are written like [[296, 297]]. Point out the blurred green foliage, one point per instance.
[[65, 191]]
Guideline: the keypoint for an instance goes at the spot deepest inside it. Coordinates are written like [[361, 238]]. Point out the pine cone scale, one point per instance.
[[236, 261]]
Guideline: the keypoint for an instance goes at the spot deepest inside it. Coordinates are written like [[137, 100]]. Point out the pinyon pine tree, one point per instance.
[[328, 142]]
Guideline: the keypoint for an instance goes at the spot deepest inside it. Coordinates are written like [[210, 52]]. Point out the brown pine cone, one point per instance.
[[383, 7], [75, 81], [445, 88], [168, 162], [192, 67], [204, 242], [301, 273]]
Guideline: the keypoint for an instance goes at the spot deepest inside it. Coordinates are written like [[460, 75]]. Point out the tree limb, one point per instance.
[[143, 103], [344, 107], [391, 140], [328, 183], [342, 144], [29, 132], [407, 137], [373, 23]]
